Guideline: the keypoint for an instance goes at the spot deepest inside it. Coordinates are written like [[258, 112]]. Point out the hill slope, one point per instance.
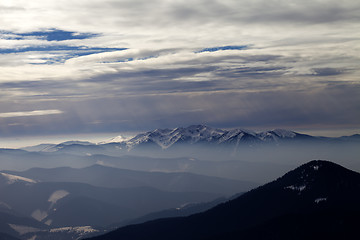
[[63, 204], [317, 191]]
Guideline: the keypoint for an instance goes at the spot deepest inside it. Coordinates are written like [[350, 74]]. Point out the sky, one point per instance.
[[112, 66]]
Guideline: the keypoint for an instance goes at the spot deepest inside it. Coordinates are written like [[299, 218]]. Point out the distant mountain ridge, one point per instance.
[[163, 139], [318, 200], [102, 176]]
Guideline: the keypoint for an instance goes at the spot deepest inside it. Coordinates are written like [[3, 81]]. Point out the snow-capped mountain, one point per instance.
[[168, 137], [196, 141], [165, 138]]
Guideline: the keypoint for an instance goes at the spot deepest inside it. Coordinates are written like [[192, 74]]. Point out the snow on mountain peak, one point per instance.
[[167, 137], [235, 134], [284, 133], [201, 133], [276, 134], [57, 195]]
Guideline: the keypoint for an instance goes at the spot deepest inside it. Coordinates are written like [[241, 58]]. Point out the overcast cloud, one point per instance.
[[131, 65]]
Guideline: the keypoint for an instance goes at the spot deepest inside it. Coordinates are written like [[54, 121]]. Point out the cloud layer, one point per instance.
[[29, 113], [135, 64]]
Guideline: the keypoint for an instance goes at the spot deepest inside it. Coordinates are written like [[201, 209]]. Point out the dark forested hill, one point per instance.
[[318, 200]]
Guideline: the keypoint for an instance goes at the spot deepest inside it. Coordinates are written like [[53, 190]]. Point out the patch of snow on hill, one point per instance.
[[320, 200], [39, 215], [23, 229], [57, 195], [13, 178], [4, 205], [79, 230], [48, 222], [296, 188]]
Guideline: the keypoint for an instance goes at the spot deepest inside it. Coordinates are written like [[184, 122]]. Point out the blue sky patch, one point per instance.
[[215, 49], [61, 52], [48, 35], [79, 49]]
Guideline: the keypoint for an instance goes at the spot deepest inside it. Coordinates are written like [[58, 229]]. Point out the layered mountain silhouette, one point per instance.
[[36, 209], [318, 200], [109, 177], [84, 188], [20, 160], [62, 204]]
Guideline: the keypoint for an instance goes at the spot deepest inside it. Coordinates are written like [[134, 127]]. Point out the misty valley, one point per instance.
[[194, 182]]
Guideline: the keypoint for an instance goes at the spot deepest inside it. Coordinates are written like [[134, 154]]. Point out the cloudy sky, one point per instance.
[[112, 66]]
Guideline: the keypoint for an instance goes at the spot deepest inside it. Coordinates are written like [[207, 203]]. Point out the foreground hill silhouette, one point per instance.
[[318, 200]]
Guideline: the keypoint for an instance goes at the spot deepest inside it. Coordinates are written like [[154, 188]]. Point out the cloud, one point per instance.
[[61, 52], [51, 53], [29, 113], [328, 71], [250, 106], [143, 64]]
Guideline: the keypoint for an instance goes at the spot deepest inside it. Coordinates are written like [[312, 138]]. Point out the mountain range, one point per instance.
[[201, 134], [236, 153], [166, 138], [195, 135], [318, 200], [79, 189]]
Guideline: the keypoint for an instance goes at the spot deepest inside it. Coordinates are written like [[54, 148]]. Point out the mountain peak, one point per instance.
[[317, 168], [318, 179], [165, 138], [284, 133]]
